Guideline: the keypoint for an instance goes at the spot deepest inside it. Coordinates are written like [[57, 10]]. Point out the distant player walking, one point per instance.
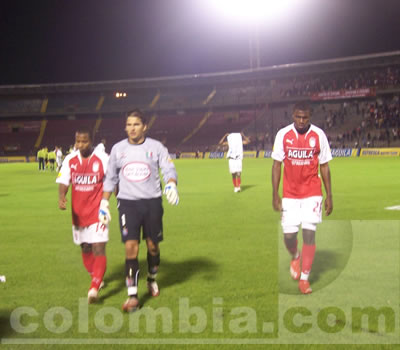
[[59, 156], [301, 147], [235, 142], [134, 168], [84, 170], [40, 158]]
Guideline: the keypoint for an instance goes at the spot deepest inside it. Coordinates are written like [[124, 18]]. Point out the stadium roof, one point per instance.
[[263, 73]]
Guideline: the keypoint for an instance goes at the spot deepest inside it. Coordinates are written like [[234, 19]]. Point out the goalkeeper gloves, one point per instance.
[[171, 192], [104, 212]]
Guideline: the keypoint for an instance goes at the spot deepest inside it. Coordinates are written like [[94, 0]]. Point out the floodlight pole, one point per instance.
[[254, 48]]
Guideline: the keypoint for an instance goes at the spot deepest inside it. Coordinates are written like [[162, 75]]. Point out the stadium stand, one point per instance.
[[18, 136], [60, 131], [355, 99]]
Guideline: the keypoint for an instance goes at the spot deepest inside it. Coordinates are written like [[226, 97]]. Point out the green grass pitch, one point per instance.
[[223, 277]]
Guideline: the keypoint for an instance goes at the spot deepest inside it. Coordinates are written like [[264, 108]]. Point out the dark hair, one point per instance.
[[138, 114], [84, 130], [302, 106]]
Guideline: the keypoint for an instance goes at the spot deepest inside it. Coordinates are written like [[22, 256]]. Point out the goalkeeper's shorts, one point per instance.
[[145, 214]]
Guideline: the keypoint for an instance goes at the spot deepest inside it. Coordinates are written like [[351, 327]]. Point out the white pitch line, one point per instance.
[[395, 207]]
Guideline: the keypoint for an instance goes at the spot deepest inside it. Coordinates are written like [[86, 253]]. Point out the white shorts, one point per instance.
[[96, 233], [304, 211], [235, 166]]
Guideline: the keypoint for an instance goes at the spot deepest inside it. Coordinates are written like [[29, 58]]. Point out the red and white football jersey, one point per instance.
[[86, 175], [301, 154]]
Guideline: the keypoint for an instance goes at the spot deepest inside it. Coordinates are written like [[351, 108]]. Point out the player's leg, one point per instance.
[[307, 257], [236, 169], [131, 274], [99, 269], [290, 227], [153, 262], [96, 235], [238, 180], [311, 209], [153, 232], [87, 257], [130, 218], [232, 170]]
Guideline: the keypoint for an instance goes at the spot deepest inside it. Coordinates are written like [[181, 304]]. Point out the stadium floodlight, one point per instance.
[[252, 11]]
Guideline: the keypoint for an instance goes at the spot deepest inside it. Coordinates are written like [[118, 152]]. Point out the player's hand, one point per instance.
[[62, 203], [171, 192], [328, 206], [277, 203], [104, 212]]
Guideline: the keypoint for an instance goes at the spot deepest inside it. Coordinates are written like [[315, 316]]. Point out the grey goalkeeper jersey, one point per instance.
[[135, 169]]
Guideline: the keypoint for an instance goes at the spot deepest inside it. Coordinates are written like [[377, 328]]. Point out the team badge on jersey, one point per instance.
[[312, 141], [96, 167], [149, 155]]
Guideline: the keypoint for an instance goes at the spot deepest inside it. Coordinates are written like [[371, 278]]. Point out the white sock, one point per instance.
[[304, 276]]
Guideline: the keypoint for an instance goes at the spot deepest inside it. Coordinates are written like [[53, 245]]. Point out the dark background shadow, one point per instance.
[[5, 326], [171, 273], [246, 187], [324, 261]]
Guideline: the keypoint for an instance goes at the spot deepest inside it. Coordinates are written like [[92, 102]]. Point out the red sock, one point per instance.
[[307, 258], [88, 260], [238, 181], [292, 250], [234, 181], [99, 268]]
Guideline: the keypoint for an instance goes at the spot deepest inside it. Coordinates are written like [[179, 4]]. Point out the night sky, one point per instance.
[[50, 41]]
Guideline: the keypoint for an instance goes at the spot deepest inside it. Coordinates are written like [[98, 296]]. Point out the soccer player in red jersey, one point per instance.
[[84, 170], [302, 148]]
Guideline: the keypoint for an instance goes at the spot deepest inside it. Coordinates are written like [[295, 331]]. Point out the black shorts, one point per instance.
[[143, 213]]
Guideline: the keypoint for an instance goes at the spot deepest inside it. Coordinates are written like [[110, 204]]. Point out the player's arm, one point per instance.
[[169, 175], [276, 179], [221, 142], [62, 193], [326, 179], [245, 139]]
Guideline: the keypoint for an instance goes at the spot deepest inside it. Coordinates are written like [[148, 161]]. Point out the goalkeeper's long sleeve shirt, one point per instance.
[[135, 169]]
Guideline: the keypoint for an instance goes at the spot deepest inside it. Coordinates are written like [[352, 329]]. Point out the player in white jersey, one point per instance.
[[101, 146], [235, 141], [59, 156], [134, 167], [302, 148]]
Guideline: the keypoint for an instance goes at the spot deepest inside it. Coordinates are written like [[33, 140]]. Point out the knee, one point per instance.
[[308, 237], [99, 249], [131, 249], [152, 247], [86, 248], [290, 236]]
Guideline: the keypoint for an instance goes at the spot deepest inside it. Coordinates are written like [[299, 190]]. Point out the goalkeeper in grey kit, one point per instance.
[[133, 169]]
